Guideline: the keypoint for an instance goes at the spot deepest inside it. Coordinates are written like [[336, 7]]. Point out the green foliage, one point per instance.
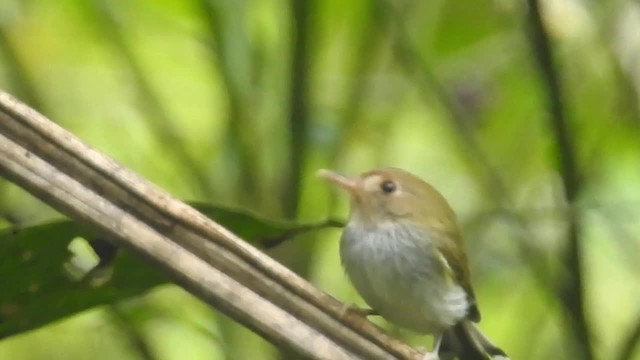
[[50, 279], [230, 100], [41, 291]]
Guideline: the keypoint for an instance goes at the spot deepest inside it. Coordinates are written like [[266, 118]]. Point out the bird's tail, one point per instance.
[[466, 342]]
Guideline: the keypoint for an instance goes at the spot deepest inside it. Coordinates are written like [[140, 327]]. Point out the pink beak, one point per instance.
[[349, 184]]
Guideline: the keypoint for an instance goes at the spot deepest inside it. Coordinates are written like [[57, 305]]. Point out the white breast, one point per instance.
[[397, 272]]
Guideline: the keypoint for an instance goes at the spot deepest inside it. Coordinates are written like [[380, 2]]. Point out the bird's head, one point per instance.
[[387, 196]]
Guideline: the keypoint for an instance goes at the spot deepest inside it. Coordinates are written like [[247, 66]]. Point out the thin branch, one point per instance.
[[572, 288], [201, 255], [290, 234]]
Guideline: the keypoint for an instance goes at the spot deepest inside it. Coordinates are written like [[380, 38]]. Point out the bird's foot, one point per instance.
[[434, 354], [355, 309], [431, 355]]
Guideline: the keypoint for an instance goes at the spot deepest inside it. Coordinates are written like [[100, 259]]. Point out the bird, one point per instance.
[[402, 250]]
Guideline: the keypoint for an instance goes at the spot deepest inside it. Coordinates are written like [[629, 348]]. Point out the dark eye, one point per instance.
[[388, 187]]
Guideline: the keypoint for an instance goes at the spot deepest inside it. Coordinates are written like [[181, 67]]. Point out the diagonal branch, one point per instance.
[[572, 287], [201, 255]]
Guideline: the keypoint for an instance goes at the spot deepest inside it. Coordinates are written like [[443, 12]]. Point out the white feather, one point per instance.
[[397, 271]]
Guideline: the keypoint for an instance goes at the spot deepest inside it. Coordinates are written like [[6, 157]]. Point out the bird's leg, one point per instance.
[[355, 309], [433, 355]]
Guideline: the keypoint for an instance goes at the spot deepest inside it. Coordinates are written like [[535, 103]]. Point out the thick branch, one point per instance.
[[23, 167], [201, 255]]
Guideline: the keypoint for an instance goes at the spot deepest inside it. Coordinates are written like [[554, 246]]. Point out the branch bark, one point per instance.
[[201, 255]]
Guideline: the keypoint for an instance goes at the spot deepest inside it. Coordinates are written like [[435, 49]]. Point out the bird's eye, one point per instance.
[[388, 187]]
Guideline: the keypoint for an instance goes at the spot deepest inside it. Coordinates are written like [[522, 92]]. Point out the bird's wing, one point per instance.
[[456, 266]]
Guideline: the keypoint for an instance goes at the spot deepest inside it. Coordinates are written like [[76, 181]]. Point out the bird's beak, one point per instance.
[[349, 184]]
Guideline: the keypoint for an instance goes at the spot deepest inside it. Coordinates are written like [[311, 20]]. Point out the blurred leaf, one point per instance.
[[36, 288]]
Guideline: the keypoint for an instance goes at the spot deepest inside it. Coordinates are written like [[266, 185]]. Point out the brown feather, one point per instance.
[[457, 261], [439, 218]]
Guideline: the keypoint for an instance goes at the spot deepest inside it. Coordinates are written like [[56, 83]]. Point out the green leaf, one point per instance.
[[38, 288]]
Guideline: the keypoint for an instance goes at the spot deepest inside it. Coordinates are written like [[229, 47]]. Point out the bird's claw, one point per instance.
[[355, 309], [431, 356]]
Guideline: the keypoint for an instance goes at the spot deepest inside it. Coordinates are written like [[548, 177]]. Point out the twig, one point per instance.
[[572, 288], [275, 241], [201, 255]]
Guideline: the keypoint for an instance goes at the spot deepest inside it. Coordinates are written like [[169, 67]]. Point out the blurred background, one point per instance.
[[239, 102]]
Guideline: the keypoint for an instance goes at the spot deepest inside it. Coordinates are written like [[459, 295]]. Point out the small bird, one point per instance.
[[403, 252]]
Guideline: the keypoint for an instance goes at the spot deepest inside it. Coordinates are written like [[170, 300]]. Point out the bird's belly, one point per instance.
[[402, 282]]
